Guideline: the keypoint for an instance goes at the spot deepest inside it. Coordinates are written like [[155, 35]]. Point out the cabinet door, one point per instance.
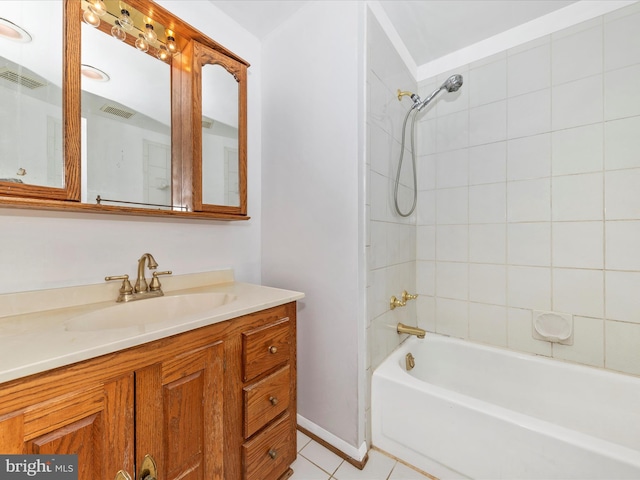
[[95, 423], [179, 414]]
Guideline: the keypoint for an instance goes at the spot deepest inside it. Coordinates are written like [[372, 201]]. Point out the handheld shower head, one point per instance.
[[451, 84]]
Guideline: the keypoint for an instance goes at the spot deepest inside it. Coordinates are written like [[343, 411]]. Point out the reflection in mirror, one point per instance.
[[31, 138], [220, 167], [126, 120]]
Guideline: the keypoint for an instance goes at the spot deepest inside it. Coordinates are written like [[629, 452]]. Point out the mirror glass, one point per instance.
[[31, 139], [220, 167], [126, 117]]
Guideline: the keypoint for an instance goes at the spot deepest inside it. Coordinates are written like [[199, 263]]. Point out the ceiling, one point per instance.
[[429, 29]]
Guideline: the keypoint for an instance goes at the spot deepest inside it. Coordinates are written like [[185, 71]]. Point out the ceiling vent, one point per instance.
[[117, 111], [207, 122], [30, 82]]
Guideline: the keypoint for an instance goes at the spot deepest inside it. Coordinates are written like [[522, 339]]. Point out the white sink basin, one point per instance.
[[140, 313]]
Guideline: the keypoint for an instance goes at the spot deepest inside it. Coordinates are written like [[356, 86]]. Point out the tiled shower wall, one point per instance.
[[391, 239], [529, 195]]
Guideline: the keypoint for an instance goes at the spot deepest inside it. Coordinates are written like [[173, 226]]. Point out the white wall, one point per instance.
[[529, 199], [50, 249], [312, 176]]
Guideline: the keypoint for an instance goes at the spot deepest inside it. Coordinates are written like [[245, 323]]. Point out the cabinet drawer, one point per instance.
[[269, 454], [265, 400], [265, 348]]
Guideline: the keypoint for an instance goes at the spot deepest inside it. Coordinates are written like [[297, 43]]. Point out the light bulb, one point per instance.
[[142, 44], [91, 18], [98, 7], [171, 45], [149, 34], [162, 53], [125, 20], [117, 32]]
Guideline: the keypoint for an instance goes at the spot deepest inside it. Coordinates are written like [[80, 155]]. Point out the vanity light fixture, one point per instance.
[[11, 31], [117, 31], [90, 18], [171, 42], [162, 53], [149, 34], [98, 7], [93, 73], [142, 44], [125, 19]]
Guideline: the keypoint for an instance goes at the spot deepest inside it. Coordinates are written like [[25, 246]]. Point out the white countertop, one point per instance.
[[36, 341]]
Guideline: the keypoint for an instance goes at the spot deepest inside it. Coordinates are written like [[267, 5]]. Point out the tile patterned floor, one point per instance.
[[315, 462]]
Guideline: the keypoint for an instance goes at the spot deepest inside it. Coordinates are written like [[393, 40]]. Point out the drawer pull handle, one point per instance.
[[273, 349], [273, 400], [273, 454]]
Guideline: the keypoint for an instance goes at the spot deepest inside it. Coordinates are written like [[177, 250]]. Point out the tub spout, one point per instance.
[[418, 332]]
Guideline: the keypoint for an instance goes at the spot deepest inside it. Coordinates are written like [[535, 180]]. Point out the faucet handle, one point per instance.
[[407, 296], [154, 286], [125, 289]]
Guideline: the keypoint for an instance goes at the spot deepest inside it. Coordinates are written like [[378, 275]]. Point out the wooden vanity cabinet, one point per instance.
[[183, 400]]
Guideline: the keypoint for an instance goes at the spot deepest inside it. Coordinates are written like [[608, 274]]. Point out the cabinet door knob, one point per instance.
[[273, 400], [273, 349], [273, 454]]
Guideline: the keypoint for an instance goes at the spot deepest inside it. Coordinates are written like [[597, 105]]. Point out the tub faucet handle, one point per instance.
[[396, 302], [407, 296]]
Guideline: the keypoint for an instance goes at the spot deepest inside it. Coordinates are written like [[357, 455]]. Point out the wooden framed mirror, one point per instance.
[[154, 162]]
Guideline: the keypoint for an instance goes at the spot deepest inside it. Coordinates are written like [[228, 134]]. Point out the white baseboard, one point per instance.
[[357, 454]]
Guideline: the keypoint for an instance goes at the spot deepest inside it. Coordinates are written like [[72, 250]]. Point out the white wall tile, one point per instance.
[[622, 347], [577, 197], [529, 70], [529, 244], [426, 170], [520, 338], [452, 317], [577, 56], [488, 283], [621, 245], [426, 312], [452, 206], [488, 163], [621, 42], [487, 243], [621, 93], [425, 139], [588, 343], [452, 243], [488, 123], [578, 291], [622, 143], [452, 169], [488, 324], [488, 83], [623, 298], [578, 244], [487, 203], [452, 280], [577, 150], [577, 103], [379, 200], [622, 194], [529, 114], [425, 243], [426, 208], [529, 200], [378, 248], [425, 278], [452, 131], [529, 287], [529, 157]]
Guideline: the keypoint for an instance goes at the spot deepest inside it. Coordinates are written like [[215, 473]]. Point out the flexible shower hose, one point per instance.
[[413, 161]]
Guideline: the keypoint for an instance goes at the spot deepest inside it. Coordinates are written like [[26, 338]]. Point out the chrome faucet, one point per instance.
[[142, 289]]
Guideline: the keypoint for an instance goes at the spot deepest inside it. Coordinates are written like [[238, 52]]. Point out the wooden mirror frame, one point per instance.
[[186, 125]]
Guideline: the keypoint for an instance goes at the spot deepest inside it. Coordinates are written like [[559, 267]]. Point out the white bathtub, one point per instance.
[[471, 411]]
